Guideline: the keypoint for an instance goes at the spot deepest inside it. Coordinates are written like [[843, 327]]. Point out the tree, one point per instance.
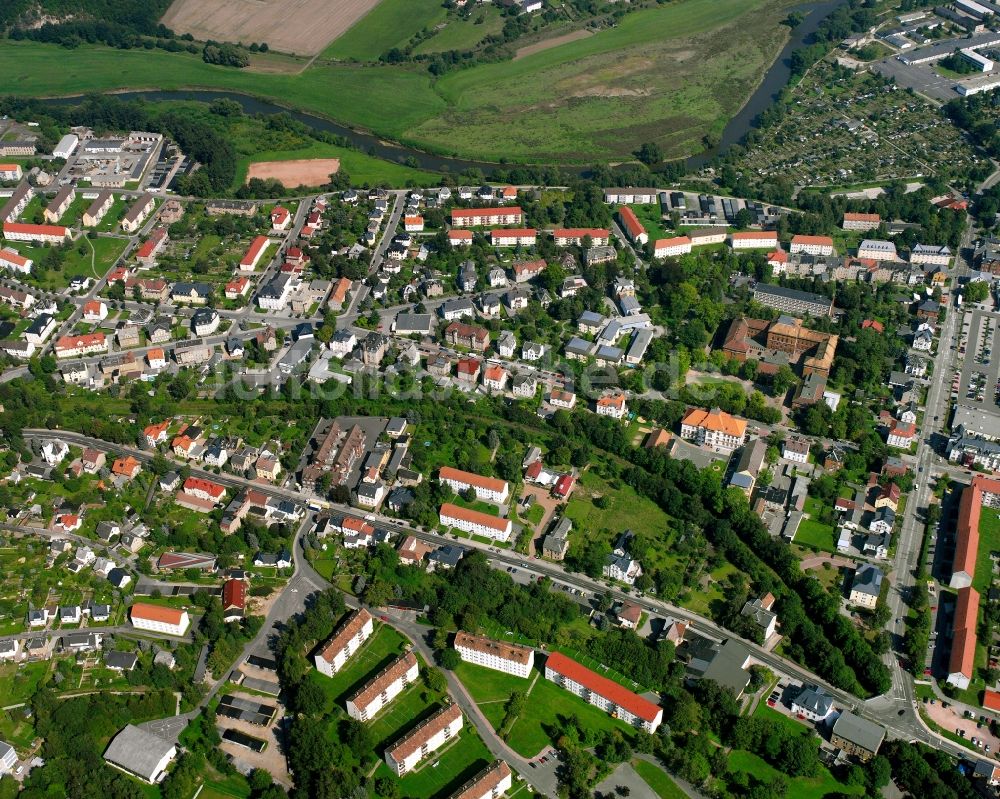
[[649, 154], [448, 659], [783, 380], [310, 699], [435, 680]]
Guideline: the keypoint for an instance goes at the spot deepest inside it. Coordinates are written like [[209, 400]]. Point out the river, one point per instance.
[[736, 129]]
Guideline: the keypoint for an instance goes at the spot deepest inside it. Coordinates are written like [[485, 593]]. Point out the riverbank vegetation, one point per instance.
[[597, 98]]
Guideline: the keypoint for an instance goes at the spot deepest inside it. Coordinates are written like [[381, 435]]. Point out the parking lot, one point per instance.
[[974, 730], [979, 385]]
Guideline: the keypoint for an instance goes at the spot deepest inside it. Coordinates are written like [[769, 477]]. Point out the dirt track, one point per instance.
[[305, 172], [547, 44], [303, 27]]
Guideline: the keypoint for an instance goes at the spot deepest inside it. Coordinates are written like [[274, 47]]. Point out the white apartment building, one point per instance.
[[670, 248], [488, 489], [930, 254], [877, 250], [475, 523], [471, 217], [602, 692], [564, 237], [514, 237], [137, 213], [383, 688], [754, 239], [497, 655], [345, 642], [158, 619], [854, 221], [812, 245], [490, 783], [36, 234], [15, 262], [430, 735]]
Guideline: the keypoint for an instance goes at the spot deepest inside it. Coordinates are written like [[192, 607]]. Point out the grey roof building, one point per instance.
[[140, 753], [723, 663], [120, 661], [857, 736]]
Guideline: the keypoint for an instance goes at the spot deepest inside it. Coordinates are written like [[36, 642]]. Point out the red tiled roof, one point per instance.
[[474, 516], [716, 420], [13, 257], [159, 613], [472, 213], [963, 647], [234, 594], [340, 289], [580, 232], [778, 256], [350, 628], [991, 700], [602, 686], [518, 232], [473, 479], [823, 241], [462, 235], [563, 485], [37, 230], [256, 248], [755, 235], [632, 224], [198, 484], [851, 216], [676, 241]]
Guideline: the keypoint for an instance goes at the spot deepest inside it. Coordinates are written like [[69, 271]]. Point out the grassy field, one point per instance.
[[670, 74], [989, 542], [657, 780], [463, 33], [392, 23], [799, 787], [626, 509]]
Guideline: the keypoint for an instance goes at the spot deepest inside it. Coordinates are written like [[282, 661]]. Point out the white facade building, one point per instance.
[[345, 642], [497, 655]]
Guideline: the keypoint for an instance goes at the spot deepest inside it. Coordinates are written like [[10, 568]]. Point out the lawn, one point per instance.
[[799, 787], [489, 685], [447, 769], [776, 719], [80, 261], [815, 534], [989, 542], [392, 23], [669, 74], [650, 217], [657, 780], [384, 645], [547, 703]]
